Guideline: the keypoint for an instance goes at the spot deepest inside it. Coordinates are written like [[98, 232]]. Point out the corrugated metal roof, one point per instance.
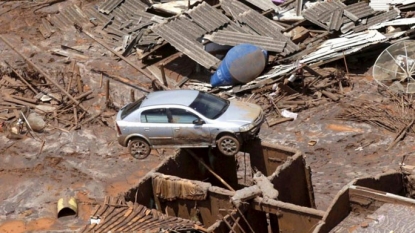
[[328, 8], [108, 6], [252, 18], [95, 16], [360, 10], [321, 13], [236, 38], [263, 4], [396, 22], [380, 5], [191, 48], [336, 20], [266, 27], [148, 39], [207, 17], [312, 15], [134, 13], [137, 4], [234, 8], [378, 19], [116, 216], [68, 16], [187, 28]]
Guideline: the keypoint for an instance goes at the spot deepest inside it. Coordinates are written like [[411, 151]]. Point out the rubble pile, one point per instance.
[[393, 112], [301, 38], [31, 102]]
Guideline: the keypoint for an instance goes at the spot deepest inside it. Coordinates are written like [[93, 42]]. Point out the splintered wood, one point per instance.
[[395, 113], [309, 88], [25, 88]]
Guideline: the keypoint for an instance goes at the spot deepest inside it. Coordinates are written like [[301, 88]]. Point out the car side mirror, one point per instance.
[[199, 121]]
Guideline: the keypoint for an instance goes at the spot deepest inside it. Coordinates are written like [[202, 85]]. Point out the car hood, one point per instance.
[[241, 112]]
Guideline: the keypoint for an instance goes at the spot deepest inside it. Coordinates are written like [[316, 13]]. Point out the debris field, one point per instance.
[[68, 66]]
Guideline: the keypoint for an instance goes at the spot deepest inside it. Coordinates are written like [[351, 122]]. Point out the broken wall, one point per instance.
[[266, 157], [293, 180], [389, 182], [290, 177], [338, 210], [358, 194]]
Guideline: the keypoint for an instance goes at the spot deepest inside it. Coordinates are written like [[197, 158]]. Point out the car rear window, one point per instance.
[[127, 110]]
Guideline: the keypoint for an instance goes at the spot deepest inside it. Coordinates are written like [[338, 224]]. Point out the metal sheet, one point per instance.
[[266, 27], [141, 13], [207, 17], [101, 19], [113, 216], [235, 38], [192, 49], [327, 9], [187, 28], [377, 19], [137, 4], [234, 8], [359, 10], [108, 6], [321, 13], [336, 20], [263, 4]]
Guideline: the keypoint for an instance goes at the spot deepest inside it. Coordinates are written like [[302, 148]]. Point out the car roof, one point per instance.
[[170, 97]]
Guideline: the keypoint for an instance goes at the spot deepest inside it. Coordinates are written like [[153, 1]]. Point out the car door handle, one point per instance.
[[176, 129], [147, 129]]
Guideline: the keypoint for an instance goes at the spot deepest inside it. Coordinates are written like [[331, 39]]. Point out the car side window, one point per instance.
[[182, 116], [157, 115]]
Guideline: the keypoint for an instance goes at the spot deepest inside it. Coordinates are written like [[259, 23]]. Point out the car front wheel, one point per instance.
[[139, 148], [228, 145]]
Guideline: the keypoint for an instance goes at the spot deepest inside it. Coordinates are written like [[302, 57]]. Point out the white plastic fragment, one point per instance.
[[286, 113]]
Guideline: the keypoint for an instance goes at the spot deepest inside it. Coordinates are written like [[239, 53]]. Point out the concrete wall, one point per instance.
[[388, 182], [266, 157], [285, 168], [293, 182], [338, 210], [204, 211]]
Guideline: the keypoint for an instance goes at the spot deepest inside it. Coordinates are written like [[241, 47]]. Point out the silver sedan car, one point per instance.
[[186, 118]]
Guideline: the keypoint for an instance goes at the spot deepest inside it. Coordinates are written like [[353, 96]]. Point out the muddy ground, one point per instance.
[[89, 164]]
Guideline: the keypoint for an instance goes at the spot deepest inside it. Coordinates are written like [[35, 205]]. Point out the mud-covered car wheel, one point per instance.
[[139, 148], [228, 145]]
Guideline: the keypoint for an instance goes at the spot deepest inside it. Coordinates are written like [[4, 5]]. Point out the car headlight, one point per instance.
[[246, 127]]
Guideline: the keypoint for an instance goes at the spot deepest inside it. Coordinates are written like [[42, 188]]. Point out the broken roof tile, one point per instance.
[[188, 29], [358, 10], [336, 20], [234, 8], [321, 13], [378, 19], [266, 27], [191, 48], [207, 17], [235, 38], [108, 6], [263, 4]]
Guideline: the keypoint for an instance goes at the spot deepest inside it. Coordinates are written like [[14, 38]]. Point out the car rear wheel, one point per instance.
[[228, 145], [139, 148]]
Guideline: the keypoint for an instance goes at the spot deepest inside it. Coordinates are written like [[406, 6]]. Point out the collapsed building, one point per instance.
[[182, 193], [200, 190]]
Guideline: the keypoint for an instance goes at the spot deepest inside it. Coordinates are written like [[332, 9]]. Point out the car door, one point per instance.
[[185, 131], [156, 126]]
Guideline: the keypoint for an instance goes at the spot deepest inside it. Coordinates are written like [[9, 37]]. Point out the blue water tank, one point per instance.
[[243, 63]]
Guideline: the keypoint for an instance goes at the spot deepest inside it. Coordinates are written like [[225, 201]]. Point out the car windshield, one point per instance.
[[128, 109], [209, 105]]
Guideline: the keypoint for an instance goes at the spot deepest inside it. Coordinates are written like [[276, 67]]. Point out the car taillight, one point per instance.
[[118, 129]]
